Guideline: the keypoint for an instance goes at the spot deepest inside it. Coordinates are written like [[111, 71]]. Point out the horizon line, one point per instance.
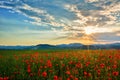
[[61, 44]]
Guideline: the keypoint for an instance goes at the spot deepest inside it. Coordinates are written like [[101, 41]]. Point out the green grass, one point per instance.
[[65, 64]]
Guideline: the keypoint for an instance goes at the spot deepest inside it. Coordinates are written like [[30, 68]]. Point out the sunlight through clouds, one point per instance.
[[67, 19]]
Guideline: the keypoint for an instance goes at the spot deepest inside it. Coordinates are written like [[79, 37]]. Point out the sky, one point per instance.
[[32, 22]]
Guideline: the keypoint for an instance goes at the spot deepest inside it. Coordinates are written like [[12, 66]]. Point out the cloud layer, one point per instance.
[[69, 18]]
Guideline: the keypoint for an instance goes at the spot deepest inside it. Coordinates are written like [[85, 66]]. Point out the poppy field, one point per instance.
[[60, 64]]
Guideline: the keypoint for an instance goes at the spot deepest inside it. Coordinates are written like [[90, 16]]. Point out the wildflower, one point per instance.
[[71, 76], [41, 67], [60, 78], [67, 68], [68, 72], [87, 63], [108, 67], [31, 74], [44, 74], [88, 74], [55, 77], [115, 73], [68, 78], [108, 74], [102, 65], [78, 65], [109, 78], [56, 64], [114, 66], [85, 73], [4, 78], [98, 72], [63, 65], [49, 64], [110, 56], [1, 78], [70, 62], [50, 71], [45, 66], [28, 68], [76, 79]]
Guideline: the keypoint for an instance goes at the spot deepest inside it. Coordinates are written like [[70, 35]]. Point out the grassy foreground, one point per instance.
[[59, 65]]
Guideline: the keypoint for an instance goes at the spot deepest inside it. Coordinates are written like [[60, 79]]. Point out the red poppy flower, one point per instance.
[[109, 78], [76, 79], [68, 72], [44, 74], [68, 78], [87, 63], [55, 77], [115, 73], [114, 66], [49, 64], [28, 68], [102, 65], [85, 73], [5, 78]]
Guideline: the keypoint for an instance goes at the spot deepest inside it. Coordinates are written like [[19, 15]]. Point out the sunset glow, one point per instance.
[[31, 22], [89, 30]]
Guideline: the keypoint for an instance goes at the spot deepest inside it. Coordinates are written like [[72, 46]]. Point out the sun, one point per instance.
[[88, 30]]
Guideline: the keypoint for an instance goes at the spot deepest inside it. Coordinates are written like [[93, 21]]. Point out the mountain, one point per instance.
[[65, 46], [43, 46], [14, 47], [71, 45]]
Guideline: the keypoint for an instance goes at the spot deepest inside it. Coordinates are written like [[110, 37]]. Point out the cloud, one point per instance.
[[100, 14], [118, 34], [38, 15], [91, 1], [104, 17], [107, 15]]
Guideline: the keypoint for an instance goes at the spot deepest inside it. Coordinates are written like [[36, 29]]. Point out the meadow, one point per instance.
[[59, 64]]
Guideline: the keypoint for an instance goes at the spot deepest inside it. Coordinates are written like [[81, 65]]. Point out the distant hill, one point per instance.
[[44, 46], [71, 45], [14, 47], [65, 46]]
